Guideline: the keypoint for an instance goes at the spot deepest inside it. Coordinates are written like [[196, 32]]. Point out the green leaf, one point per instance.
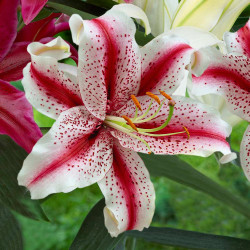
[[42, 14], [93, 234], [10, 232], [42, 120], [11, 194], [190, 240], [177, 170], [85, 10]]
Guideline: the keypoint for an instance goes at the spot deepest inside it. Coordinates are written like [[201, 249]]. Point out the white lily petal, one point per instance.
[[134, 12], [229, 17], [200, 13], [197, 38]]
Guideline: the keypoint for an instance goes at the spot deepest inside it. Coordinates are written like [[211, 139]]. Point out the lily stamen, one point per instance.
[[165, 95], [130, 123], [155, 97], [137, 105], [136, 102], [186, 131]]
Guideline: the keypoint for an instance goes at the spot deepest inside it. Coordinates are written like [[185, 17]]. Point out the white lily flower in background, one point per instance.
[[159, 13], [213, 15], [229, 76]]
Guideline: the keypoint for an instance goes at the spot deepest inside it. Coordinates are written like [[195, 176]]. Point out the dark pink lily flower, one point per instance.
[[100, 124], [30, 9], [229, 76], [8, 25], [16, 112], [16, 117]]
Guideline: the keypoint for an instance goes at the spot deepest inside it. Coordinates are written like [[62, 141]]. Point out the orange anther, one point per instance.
[[187, 132], [149, 153], [165, 95], [130, 123], [136, 102], [155, 97]]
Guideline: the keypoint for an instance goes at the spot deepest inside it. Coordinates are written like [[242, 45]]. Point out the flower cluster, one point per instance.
[[120, 99]]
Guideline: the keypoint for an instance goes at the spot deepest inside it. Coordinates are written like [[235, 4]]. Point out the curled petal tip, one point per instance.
[[228, 158]]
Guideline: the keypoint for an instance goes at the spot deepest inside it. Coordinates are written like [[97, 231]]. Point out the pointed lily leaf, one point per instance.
[[179, 171], [190, 240], [93, 234], [10, 232], [85, 10], [11, 194]]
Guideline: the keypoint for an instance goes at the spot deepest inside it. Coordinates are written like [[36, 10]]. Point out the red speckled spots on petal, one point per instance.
[[163, 64], [207, 131], [128, 191], [109, 66], [228, 76], [48, 89], [16, 117], [245, 153], [74, 153], [239, 41]]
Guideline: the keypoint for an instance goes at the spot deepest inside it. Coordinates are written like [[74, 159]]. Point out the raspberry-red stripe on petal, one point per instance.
[[229, 76], [128, 191], [74, 153], [239, 41], [163, 64], [16, 117], [207, 131], [52, 86], [245, 152], [49, 89], [109, 65]]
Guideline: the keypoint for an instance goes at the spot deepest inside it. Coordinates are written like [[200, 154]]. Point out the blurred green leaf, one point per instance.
[[18, 85], [42, 14], [10, 232], [93, 234], [189, 239], [11, 194], [85, 10], [240, 22], [42, 120], [177, 170]]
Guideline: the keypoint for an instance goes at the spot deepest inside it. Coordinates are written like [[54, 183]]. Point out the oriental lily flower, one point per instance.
[[228, 76], [116, 103], [16, 115], [213, 16]]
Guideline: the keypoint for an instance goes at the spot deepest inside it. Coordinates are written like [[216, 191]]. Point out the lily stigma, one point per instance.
[[128, 125]]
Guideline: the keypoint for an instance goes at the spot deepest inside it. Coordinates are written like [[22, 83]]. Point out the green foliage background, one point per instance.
[[177, 206]]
